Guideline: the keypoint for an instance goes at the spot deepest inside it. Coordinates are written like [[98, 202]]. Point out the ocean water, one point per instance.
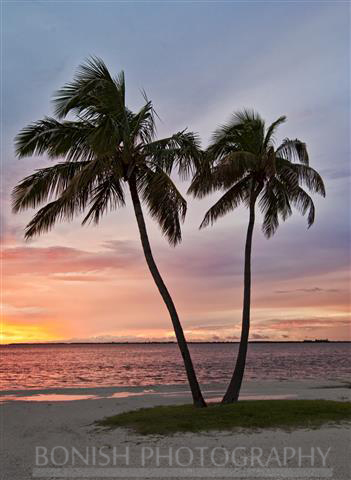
[[60, 366]]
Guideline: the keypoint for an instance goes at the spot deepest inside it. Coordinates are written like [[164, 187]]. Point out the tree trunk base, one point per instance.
[[200, 403], [227, 401]]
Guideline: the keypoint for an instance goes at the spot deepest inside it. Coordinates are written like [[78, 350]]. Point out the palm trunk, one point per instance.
[[232, 393], [194, 385]]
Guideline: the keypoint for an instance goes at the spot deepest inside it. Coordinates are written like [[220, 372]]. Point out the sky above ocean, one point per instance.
[[198, 62]]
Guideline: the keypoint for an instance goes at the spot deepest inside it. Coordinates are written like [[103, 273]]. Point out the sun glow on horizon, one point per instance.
[[19, 333]]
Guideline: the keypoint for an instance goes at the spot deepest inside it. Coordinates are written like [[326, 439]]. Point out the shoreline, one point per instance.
[[251, 390]]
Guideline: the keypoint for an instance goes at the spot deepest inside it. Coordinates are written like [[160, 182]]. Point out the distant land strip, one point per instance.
[[171, 342]]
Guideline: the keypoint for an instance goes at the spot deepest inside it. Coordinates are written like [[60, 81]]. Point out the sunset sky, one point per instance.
[[198, 62]]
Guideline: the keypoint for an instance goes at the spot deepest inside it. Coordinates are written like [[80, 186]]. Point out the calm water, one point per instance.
[[38, 367]]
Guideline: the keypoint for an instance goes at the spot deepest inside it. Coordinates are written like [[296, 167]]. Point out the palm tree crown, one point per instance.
[[102, 146], [243, 160]]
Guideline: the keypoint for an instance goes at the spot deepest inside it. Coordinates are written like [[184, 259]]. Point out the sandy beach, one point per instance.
[[38, 436]]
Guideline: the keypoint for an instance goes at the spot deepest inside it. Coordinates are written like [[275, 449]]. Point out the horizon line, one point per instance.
[[318, 341]]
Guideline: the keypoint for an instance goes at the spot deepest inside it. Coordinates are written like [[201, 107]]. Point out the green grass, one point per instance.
[[251, 414]]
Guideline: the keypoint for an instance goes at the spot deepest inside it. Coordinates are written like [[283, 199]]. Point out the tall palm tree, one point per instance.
[[243, 161], [105, 147]]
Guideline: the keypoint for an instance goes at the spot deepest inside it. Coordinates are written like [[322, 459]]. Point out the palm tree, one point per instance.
[[105, 147], [243, 160]]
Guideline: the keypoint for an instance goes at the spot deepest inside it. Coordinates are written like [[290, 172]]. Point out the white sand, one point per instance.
[[27, 425]]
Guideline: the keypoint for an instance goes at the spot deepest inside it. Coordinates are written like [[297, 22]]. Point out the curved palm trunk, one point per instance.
[[194, 385], [232, 393]]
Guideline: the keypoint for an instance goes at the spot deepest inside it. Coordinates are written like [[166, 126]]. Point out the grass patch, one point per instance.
[[252, 414]]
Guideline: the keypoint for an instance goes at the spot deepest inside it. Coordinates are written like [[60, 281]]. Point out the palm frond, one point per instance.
[[286, 173], [107, 195], [269, 205], [143, 126], [244, 132], [94, 173], [92, 92], [274, 202], [120, 83], [227, 171], [270, 220], [294, 150], [106, 137], [64, 208], [57, 139], [203, 181], [44, 184], [228, 202], [311, 178], [234, 166], [181, 151], [296, 173], [269, 137], [303, 202], [164, 201], [76, 185]]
